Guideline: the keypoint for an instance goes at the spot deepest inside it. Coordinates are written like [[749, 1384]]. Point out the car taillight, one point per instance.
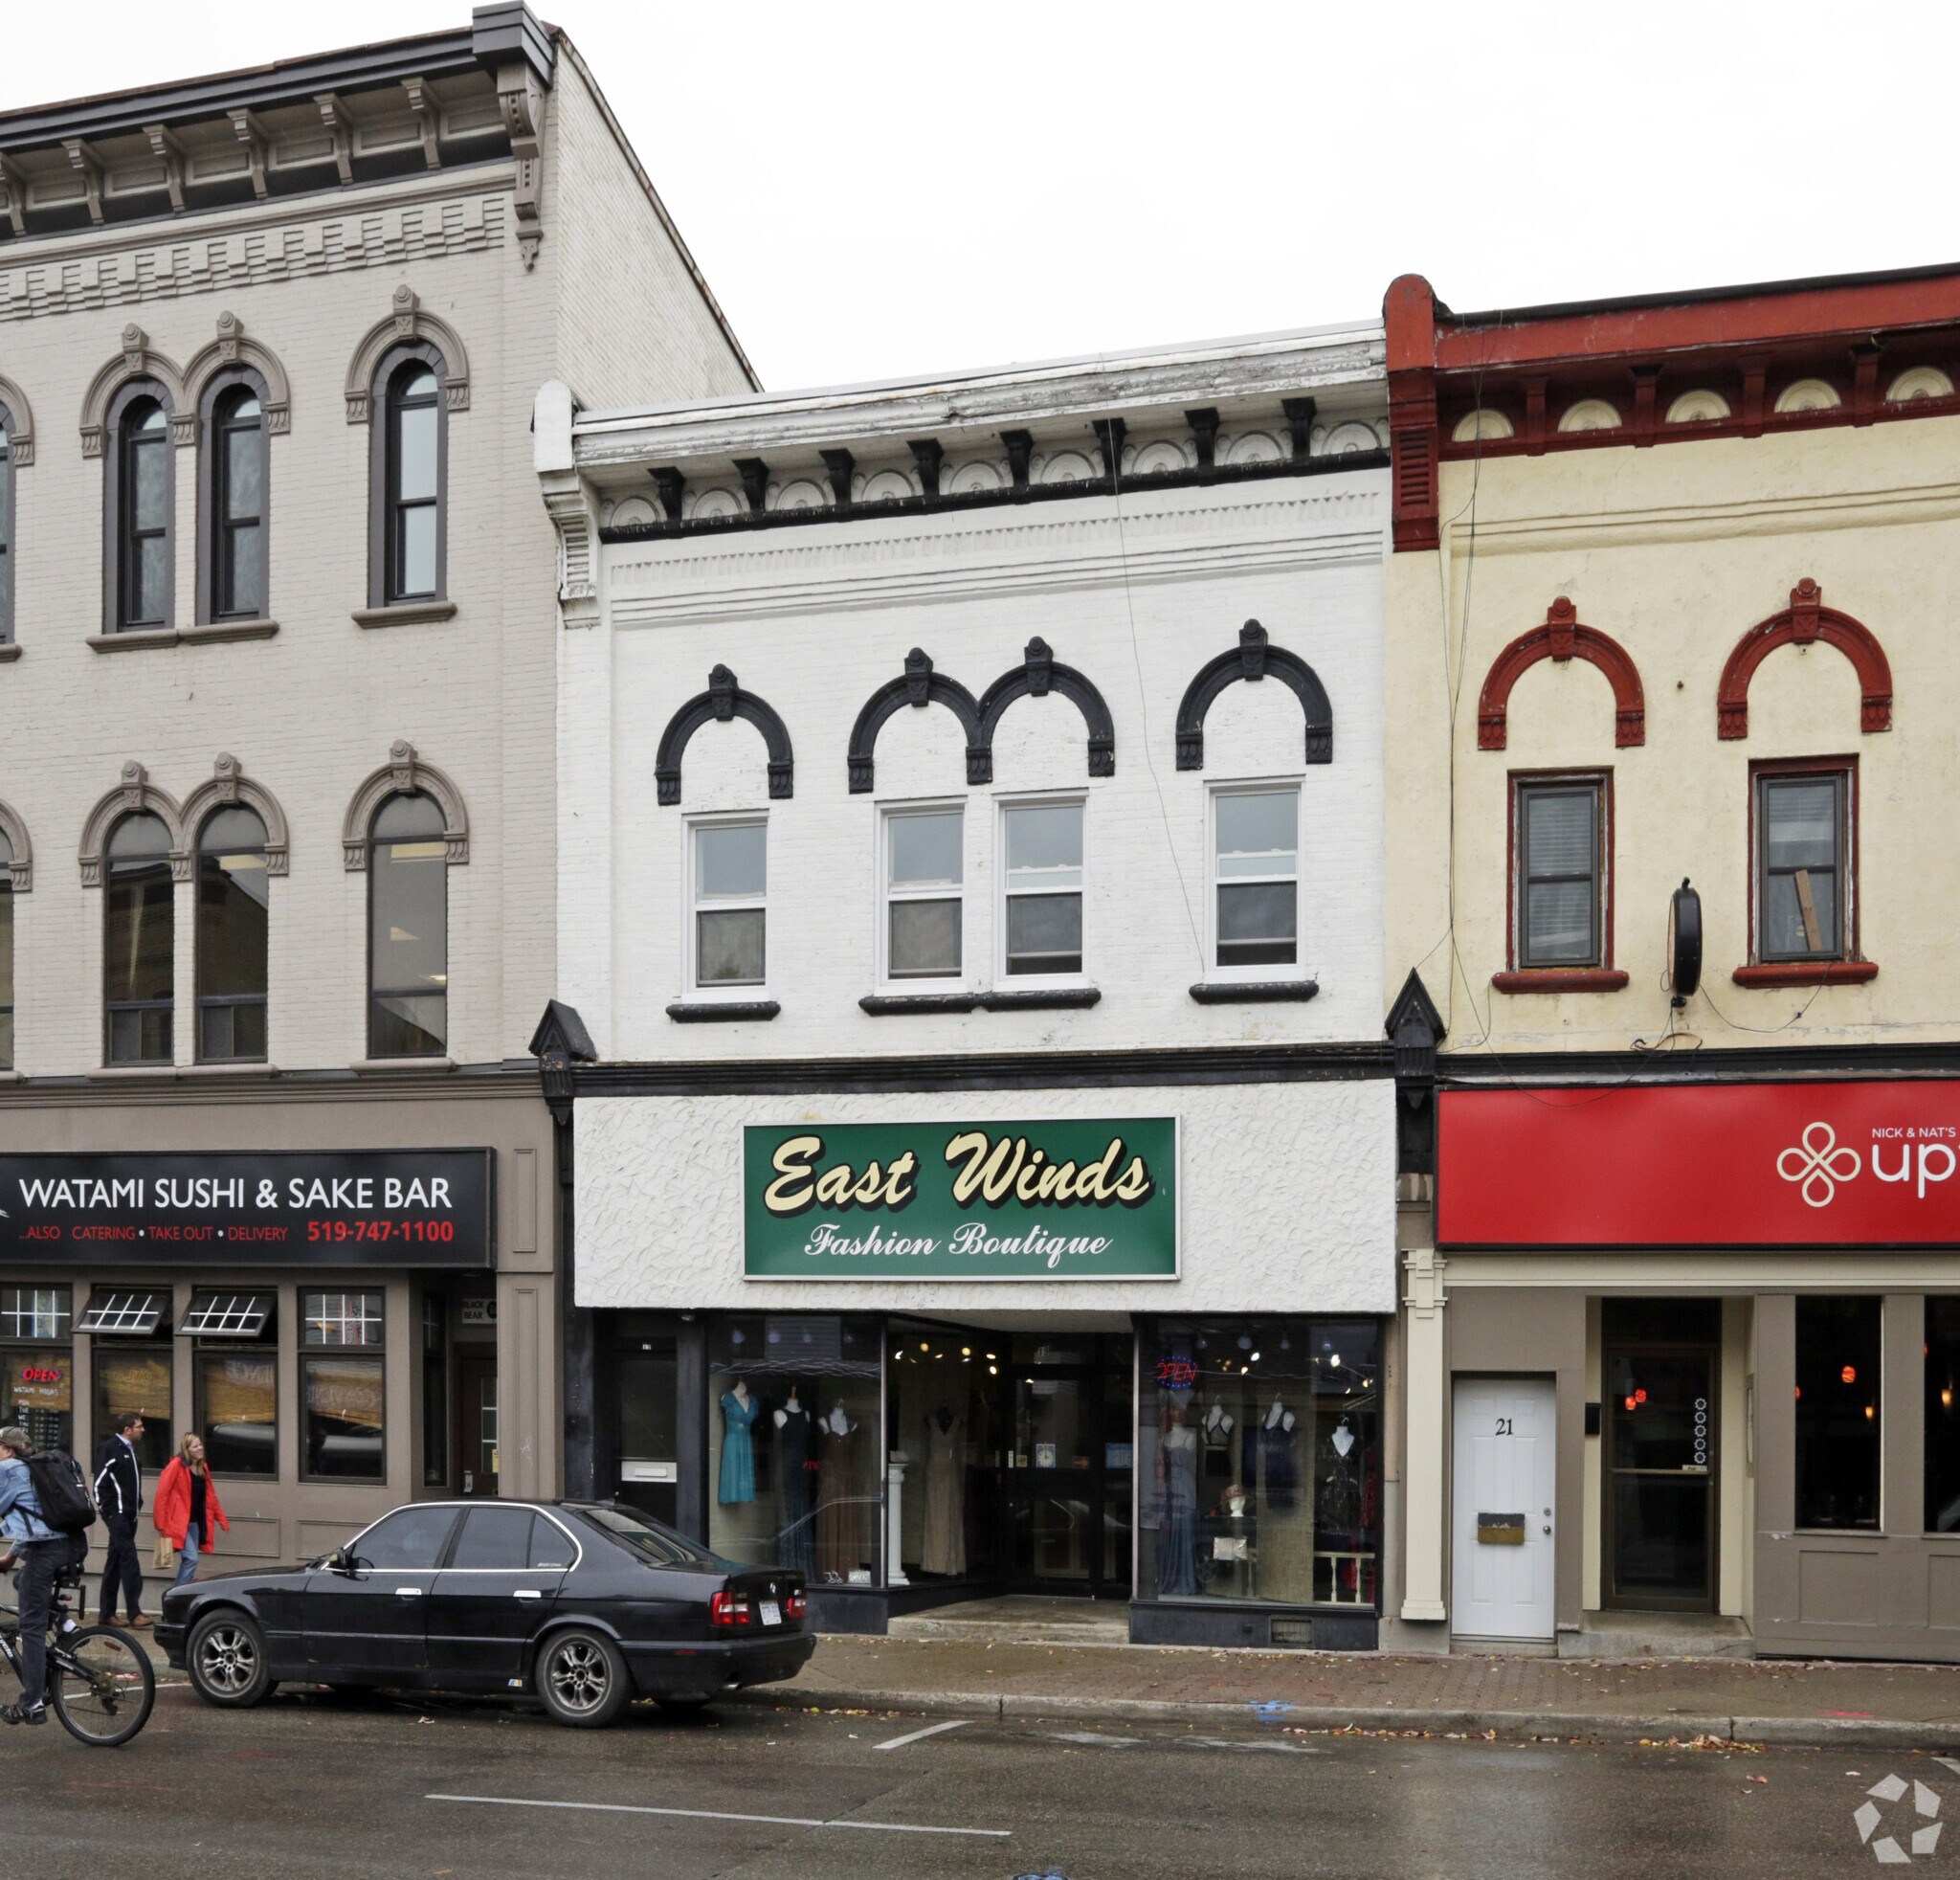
[[731, 1609], [797, 1606]]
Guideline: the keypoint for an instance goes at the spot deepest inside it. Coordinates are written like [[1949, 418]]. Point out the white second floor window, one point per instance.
[[1043, 889], [923, 902], [730, 903], [1256, 862]]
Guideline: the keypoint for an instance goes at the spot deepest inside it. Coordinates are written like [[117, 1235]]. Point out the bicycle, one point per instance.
[[101, 1682]]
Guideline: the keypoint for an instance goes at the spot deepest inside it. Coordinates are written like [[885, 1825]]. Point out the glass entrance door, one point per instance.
[[1067, 1478], [1661, 1509]]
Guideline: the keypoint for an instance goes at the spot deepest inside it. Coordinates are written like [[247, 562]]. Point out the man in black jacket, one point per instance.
[[119, 1494]]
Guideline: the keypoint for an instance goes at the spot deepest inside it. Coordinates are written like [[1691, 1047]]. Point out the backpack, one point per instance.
[[62, 1489]]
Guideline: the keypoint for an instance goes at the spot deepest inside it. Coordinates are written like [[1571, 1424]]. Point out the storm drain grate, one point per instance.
[[1291, 1632]]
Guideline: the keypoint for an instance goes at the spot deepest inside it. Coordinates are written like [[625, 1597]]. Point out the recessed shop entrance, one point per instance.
[[1660, 1379]]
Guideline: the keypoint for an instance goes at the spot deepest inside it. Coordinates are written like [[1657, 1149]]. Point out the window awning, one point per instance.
[[226, 1315], [123, 1314]]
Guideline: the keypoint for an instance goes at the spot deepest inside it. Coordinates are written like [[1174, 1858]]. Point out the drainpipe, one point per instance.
[[561, 1043]]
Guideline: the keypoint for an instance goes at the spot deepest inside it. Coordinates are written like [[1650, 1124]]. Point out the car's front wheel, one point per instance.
[[582, 1678], [226, 1658]]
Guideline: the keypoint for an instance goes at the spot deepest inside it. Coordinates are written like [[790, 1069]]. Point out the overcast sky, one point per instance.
[[876, 189]]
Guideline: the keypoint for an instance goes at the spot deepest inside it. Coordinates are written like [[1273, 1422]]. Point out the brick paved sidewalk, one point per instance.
[[1789, 1702]]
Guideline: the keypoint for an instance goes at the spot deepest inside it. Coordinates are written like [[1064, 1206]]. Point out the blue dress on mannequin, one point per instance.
[[738, 1448]]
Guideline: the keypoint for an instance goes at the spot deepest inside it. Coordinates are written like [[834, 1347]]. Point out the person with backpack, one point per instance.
[[41, 1554], [119, 1492]]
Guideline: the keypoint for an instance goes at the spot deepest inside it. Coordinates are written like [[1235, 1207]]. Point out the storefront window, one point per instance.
[[1258, 1462], [136, 1377], [795, 1436], [236, 1375], [1837, 1412], [342, 1398], [1943, 1416], [37, 1363]]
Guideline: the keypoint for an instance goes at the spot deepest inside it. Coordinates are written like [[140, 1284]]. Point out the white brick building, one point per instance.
[[998, 751], [354, 261]]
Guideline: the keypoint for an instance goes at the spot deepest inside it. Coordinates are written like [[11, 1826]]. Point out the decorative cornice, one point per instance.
[[1254, 658], [233, 347], [407, 323], [922, 559], [724, 700], [237, 248], [405, 775], [1805, 621], [137, 360], [134, 795], [227, 785], [1562, 639], [568, 504]]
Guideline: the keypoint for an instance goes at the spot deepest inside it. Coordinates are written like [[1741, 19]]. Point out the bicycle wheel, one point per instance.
[[101, 1684]]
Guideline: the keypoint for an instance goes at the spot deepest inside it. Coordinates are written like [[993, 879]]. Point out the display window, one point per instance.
[[234, 1371], [950, 1419], [1943, 1416], [797, 1445], [342, 1396], [136, 1376], [1258, 1462], [1838, 1434], [37, 1363]]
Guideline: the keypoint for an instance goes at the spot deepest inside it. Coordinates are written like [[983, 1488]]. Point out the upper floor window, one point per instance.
[[413, 444], [730, 881], [1803, 863], [1256, 859], [141, 513], [234, 504], [408, 928], [1558, 859], [233, 907], [6, 948], [139, 942], [6, 527], [1043, 889], [924, 905]]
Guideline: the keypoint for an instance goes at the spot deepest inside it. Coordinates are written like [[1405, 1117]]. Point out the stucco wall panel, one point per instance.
[[1287, 1200]]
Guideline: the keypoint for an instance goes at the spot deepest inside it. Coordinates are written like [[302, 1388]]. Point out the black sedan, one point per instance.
[[583, 1604]]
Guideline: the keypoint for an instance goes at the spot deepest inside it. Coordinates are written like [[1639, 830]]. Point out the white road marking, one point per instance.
[[919, 1735], [716, 1815], [1093, 1740], [1230, 1743]]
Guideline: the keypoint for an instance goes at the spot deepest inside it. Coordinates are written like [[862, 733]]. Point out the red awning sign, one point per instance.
[[1702, 1165]]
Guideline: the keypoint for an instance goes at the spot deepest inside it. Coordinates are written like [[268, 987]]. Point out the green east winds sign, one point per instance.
[[1065, 1199]]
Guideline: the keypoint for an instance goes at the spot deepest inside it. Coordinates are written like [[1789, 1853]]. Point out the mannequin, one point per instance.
[[1271, 1463], [839, 1523], [1343, 1439], [1178, 1533], [943, 1548], [739, 1412], [795, 1547]]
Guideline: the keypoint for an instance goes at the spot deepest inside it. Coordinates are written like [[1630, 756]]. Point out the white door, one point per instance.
[[1499, 1580]]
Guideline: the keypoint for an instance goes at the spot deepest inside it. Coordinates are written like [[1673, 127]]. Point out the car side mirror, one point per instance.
[[341, 1561]]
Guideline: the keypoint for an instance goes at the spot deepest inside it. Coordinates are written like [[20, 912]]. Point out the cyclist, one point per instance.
[[41, 1554]]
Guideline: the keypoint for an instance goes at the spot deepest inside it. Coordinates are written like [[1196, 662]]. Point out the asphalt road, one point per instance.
[[314, 1785]]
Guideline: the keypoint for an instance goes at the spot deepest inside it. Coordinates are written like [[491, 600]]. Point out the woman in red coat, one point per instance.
[[187, 1506]]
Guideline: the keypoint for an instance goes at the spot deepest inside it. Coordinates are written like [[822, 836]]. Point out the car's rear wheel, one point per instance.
[[582, 1678], [227, 1662]]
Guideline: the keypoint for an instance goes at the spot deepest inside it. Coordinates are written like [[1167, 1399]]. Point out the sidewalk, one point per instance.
[[1806, 1703]]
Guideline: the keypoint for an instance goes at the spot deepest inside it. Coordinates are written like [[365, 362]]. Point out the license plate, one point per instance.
[[772, 1613]]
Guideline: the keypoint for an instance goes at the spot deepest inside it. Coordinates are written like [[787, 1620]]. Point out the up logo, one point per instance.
[[1819, 1165]]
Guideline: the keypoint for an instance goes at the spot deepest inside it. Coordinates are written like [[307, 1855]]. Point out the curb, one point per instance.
[[1510, 1726]]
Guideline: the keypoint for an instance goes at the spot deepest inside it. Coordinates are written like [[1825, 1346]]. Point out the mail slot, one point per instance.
[[635, 1469], [1501, 1529]]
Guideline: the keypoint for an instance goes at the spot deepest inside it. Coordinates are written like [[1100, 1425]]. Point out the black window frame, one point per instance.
[[112, 1009], [201, 1001], [376, 993], [384, 586], [1764, 780], [9, 479], [117, 486], [1527, 785], [214, 603], [320, 1350]]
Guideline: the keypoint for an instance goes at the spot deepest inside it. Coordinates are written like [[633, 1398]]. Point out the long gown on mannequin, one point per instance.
[[944, 1548], [1178, 1535], [738, 1448], [837, 1525], [795, 1546]]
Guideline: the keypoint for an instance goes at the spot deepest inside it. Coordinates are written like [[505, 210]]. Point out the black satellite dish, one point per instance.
[[1684, 943]]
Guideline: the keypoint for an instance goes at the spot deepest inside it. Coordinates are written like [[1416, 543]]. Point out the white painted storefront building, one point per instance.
[[995, 760]]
